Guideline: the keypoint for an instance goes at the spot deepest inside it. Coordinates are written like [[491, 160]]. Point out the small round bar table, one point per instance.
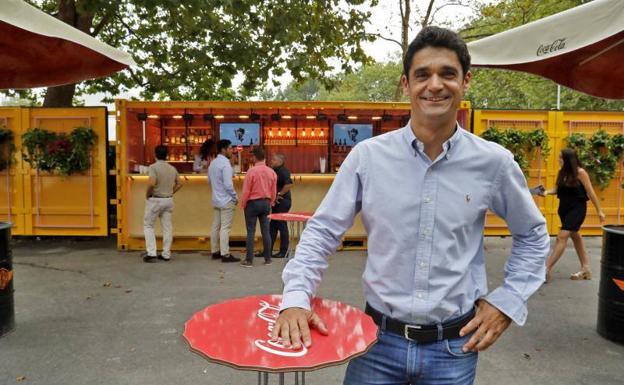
[[237, 332], [296, 223]]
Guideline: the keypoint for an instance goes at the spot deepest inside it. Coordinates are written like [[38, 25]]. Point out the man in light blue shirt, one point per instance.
[[224, 200], [423, 192]]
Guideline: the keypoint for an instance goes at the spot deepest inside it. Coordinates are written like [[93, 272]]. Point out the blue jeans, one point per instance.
[[395, 360]]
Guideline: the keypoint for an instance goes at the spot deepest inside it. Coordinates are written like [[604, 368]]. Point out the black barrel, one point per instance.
[[7, 308], [611, 293]]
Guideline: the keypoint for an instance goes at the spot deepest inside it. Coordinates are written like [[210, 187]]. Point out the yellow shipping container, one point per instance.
[[47, 203]]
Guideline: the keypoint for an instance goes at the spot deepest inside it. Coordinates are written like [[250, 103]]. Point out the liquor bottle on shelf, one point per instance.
[[166, 139], [183, 139]]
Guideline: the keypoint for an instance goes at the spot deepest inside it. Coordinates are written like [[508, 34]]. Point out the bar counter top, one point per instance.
[[192, 215]]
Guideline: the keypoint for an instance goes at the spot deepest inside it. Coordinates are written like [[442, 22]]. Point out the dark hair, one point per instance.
[[258, 152], [206, 149], [568, 174], [222, 144], [438, 38], [160, 152]]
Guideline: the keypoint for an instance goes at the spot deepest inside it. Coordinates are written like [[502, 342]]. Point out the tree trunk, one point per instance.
[[60, 96], [63, 96], [405, 18]]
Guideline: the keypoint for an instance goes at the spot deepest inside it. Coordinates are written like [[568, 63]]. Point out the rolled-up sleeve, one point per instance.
[[323, 233], [525, 268]]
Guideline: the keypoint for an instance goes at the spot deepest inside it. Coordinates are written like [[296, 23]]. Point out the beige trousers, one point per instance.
[[158, 208], [221, 226]]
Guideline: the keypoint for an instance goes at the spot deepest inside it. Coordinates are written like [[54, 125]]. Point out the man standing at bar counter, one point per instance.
[[163, 182], [423, 192], [259, 193], [283, 203], [224, 199]]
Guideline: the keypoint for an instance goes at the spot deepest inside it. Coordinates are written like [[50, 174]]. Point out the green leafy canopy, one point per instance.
[[194, 49]]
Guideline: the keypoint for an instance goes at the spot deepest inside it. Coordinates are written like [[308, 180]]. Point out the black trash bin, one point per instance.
[[7, 309], [611, 292]]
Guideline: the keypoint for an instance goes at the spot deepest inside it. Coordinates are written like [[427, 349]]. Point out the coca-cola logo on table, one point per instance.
[[269, 313], [557, 45]]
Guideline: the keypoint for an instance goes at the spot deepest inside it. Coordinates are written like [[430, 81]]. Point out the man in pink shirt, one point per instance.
[[259, 193]]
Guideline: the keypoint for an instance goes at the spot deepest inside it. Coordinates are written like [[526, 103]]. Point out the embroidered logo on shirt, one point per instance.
[[467, 198]]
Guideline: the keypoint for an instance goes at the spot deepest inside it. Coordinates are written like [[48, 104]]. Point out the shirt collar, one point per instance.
[[223, 156], [418, 146], [260, 163]]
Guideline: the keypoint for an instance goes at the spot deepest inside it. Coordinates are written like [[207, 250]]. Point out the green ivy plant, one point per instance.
[[599, 154], [50, 151], [524, 145], [7, 148]]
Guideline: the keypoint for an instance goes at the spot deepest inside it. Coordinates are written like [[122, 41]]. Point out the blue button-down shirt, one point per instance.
[[220, 175], [425, 222]]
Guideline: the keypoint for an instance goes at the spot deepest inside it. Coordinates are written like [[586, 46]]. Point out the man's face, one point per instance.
[[228, 152], [275, 161], [435, 84]]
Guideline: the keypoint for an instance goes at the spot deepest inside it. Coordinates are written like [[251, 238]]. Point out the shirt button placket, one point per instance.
[[426, 236]]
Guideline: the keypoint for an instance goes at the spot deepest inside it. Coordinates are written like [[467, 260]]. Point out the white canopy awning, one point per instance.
[[581, 48], [38, 50]]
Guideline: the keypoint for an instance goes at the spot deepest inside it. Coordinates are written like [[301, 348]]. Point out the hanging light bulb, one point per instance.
[[303, 133], [288, 133], [270, 132], [322, 133], [312, 132], [279, 131]]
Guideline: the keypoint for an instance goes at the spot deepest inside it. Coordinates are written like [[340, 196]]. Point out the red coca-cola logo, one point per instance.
[[545, 49], [269, 314], [5, 278]]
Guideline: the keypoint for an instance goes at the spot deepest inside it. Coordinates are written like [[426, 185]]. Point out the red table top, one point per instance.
[[296, 216], [236, 333]]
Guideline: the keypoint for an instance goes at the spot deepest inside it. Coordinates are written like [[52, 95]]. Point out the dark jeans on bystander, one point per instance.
[[258, 209]]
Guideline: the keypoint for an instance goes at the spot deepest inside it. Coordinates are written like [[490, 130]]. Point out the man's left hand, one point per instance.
[[489, 323]]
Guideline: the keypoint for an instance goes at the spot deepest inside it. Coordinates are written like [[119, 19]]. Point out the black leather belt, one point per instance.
[[421, 333], [157, 196]]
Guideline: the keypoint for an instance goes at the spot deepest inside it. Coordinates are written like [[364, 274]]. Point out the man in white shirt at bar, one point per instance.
[[423, 192], [224, 200]]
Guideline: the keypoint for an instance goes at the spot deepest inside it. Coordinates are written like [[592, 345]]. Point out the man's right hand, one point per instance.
[[293, 327]]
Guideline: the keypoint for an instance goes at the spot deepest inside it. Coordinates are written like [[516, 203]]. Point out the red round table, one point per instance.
[[296, 223], [237, 333]]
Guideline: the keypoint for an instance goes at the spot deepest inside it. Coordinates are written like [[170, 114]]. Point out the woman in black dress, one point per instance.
[[573, 189]]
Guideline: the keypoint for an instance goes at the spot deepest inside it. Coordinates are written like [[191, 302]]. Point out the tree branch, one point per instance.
[[425, 20], [136, 78], [479, 26], [478, 36], [387, 39], [458, 2], [98, 28], [129, 28]]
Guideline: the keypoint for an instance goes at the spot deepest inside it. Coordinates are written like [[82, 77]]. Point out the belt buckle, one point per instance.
[[407, 328]]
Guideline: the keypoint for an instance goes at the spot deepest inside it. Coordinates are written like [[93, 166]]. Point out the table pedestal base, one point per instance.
[[263, 378]]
